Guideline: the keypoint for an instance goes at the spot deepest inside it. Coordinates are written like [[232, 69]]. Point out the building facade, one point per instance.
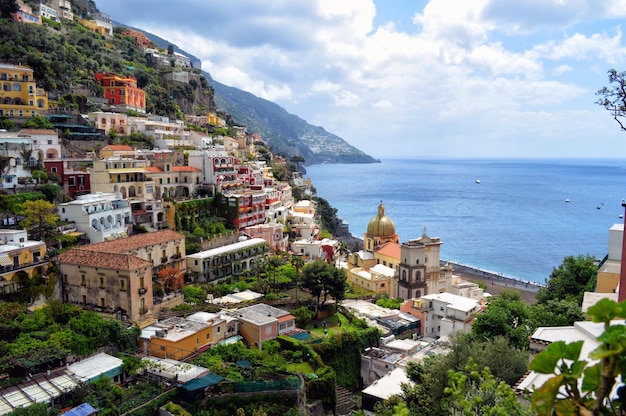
[[122, 92], [101, 217], [231, 259], [116, 284], [20, 95]]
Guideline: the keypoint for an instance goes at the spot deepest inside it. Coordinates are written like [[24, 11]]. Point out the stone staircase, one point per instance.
[[345, 402]]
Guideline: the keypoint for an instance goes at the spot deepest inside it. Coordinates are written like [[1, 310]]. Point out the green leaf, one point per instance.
[[572, 350], [577, 368], [592, 377], [544, 362], [565, 407], [604, 311], [544, 397]]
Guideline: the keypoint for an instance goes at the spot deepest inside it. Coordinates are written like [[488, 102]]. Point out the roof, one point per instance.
[[84, 409], [115, 261], [241, 245], [390, 249], [118, 147], [260, 314], [39, 131], [383, 270], [124, 245], [202, 382], [93, 367], [185, 169], [585, 331], [174, 329], [153, 169], [460, 303], [179, 370], [388, 385]]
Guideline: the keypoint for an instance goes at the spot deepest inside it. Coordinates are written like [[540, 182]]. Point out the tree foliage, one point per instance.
[[584, 387], [473, 392], [323, 279], [506, 316], [40, 219], [613, 97], [574, 277]]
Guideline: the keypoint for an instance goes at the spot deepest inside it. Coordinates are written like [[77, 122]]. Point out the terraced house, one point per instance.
[[116, 276], [20, 95]]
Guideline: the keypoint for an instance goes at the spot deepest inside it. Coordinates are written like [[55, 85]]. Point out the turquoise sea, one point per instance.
[[504, 216]]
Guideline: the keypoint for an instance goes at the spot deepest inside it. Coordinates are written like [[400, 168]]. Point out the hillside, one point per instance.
[[286, 133], [65, 57]]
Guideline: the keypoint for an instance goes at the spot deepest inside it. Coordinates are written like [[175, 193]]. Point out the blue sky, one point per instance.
[[415, 78]]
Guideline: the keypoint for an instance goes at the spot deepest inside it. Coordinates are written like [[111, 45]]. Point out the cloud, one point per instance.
[[468, 76]]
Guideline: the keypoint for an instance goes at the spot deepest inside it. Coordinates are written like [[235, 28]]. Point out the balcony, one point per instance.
[[163, 260], [142, 291]]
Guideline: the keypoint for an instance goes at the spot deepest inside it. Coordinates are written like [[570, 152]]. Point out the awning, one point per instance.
[[5, 260]]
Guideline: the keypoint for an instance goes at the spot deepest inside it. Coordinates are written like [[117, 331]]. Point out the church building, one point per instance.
[[407, 270]]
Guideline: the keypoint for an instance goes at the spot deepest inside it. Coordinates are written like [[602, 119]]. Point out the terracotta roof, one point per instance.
[[113, 261], [124, 245], [121, 147], [185, 169], [390, 249], [153, 169], [38, 131]]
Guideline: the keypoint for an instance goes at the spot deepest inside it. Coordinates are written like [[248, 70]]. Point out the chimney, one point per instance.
[[622, 273]]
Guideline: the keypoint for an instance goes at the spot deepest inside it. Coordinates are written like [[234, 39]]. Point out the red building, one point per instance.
[[74, 181], [122, 91]]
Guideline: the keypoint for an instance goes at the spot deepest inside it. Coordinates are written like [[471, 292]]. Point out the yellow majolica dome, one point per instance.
[[381, 225]]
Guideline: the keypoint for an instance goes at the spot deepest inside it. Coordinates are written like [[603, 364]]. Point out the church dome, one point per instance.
[[381, 225]]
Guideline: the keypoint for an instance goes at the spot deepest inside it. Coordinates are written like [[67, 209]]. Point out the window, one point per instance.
[[71, 181], [268, 330], [83, 280], [101, 282]]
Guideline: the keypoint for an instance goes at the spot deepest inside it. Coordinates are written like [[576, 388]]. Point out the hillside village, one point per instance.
[[159, 264]]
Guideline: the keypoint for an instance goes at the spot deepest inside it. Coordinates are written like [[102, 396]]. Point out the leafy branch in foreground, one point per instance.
[[581, 387]]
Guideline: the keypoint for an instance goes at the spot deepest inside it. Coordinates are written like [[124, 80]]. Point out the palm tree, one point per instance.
[[342, 248], [274, 261], [297, 262]]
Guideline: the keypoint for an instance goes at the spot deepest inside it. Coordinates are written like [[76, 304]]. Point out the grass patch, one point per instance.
[[304, 368]]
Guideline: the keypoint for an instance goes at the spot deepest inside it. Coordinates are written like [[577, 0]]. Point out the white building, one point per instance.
[[101, 216], [225, 261], [446, 314], [18, 154], [313, 249]]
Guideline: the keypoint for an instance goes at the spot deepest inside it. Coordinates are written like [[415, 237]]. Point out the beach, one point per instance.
[[495, 283]]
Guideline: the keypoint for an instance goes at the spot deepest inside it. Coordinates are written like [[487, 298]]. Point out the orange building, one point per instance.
[[122, 91], [140, 38]]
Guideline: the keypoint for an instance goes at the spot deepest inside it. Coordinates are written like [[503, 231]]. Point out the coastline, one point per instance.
[[494, 282]]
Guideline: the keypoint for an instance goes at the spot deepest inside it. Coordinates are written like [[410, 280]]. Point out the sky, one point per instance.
[[415, 78]]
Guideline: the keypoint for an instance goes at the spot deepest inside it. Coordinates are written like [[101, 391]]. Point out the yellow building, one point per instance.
[[127, 176], [19, 255], [178, 338], [20, 96], [374, 267], [610, 267]]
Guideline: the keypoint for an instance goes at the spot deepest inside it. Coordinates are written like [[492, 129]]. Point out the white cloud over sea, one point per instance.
[[438, 78]]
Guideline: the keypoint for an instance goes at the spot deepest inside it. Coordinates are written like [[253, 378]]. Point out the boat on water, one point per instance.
[[477, 180], [567, 200]]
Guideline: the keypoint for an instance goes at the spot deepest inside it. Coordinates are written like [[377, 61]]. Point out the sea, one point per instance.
[[517, 217]]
